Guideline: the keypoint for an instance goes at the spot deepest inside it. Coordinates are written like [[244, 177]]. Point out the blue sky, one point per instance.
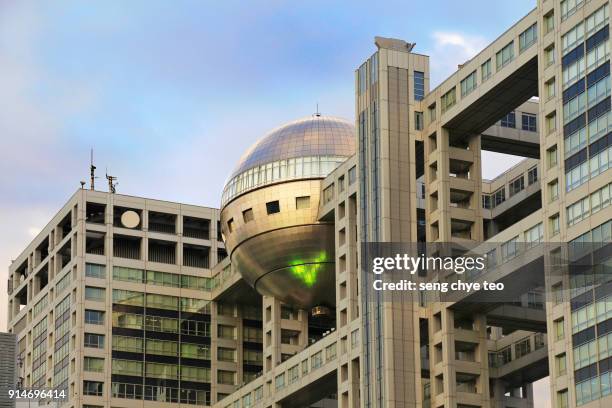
[[170, 93]]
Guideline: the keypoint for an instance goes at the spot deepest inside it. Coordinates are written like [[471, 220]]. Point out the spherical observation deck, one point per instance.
[[269, 211]]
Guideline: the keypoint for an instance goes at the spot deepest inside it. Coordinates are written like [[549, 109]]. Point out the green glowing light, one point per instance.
[[307, 270]]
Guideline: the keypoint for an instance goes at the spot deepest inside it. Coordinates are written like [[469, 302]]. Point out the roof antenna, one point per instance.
[[317, 113], [112, 183], [92, 172]]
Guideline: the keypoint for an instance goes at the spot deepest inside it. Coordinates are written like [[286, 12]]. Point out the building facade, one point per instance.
[[127, 302]]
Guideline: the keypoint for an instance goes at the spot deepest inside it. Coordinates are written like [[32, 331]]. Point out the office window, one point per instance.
[[431, 111], [125, 343], [93, 364], [550, 88], [352, 175], [551, 122], [468, 84], [93, 340], [128, 274], [247, 215], [551, 157], [509, 249], [529, 122], [549, 56], [499, 197], [226, 377], [226, 354], [532, 175], [95, 271], [562, 399], [96, 294], [549, 22], [127, 367], [528, 37], [418, 120], [571, 38], [534, 235], [448, 100], [504, 56], [94, 317], [559, 329], [553, 190], [485, 70], [419, 85], [516, 185], [226, 332], [569, 7], [94, 388], [273, 207], [522, 348], [554, 224], [509, 120]]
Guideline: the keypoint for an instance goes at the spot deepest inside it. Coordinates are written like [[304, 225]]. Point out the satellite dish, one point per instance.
[[130, 219]]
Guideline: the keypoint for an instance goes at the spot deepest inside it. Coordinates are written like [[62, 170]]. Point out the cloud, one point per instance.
[[451, 49]]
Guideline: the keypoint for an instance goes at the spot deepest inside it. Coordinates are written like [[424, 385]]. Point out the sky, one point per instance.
[[169, 94]]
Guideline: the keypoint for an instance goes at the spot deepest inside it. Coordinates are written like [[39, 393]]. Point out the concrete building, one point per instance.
[[128, 302]]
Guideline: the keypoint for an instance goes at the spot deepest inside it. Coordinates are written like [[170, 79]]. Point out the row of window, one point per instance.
[[149, 393], [490, 201], [591, 204], [281, 170], [151, 277], [528, 121]]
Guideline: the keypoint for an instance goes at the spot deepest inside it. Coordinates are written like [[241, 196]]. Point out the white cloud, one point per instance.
[[451, 49]]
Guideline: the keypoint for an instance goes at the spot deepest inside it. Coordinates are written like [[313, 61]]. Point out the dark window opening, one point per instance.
[[126, 247], [95, 213], [65, 254], [196, 256], [221, 254], [162, 222], [42, 251], [196, 227], [273, 207], [162, 251], [94, 242], [65, 225]]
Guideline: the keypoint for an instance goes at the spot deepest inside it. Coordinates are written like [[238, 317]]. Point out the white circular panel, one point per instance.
[[130, 219]]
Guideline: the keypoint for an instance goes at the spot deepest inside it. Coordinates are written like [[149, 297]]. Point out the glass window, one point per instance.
[[559, 329], [419, 85], [197, 351], [532, 175], [468, 84], [553, 190], [95, 388], [272, 207], [505, 55], [550, 89], [128, 274], [549, 55], [127, 367], [96, 294], [509, 120], [124, 343], [529, 122], [127, 320], [161, 347], [226, 332], [302, 203], [226, 354], [485, 70], [128, 297], [226, 377], [554, 224], [418, 120], [551, 157], [160, 370], [551, 122], [93, 340], [572, 37], [549, 22], [95, 271], [516, 185], [162, 301], [448, 100], [94, 317], [93, 364], [528, 37]]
